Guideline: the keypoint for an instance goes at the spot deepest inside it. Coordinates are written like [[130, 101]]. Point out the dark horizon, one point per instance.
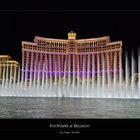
[[21, 26]]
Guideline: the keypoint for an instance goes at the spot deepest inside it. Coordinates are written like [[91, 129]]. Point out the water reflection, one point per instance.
[[12, 107]]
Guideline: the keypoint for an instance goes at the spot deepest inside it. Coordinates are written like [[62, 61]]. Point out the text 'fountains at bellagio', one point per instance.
[[99, 82]]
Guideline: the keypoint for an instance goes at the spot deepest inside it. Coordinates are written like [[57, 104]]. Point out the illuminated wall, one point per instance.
[[69, 55], [8, 69]]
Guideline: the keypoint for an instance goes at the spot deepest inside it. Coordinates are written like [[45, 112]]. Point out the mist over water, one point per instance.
[[109, 95], [103, 83]]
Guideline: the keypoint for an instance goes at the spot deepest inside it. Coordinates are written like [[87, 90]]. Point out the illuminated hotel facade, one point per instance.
[[50, 56], [8, 69]]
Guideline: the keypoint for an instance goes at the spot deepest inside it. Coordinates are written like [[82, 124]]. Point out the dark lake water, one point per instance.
[[11, 107]]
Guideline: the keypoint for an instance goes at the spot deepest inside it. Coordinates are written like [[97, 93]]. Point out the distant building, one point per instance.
[[70, 55], [8, 69]]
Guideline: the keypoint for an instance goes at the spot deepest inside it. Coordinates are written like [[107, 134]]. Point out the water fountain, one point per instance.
[[102, 83]]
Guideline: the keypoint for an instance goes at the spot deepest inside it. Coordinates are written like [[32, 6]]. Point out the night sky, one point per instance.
[[24, 25]]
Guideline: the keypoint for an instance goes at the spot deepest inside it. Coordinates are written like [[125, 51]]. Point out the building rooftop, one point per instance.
[[72, 36], [5, 56], [7, 59]]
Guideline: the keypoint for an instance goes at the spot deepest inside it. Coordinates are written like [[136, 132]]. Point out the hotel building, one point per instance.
[[8, 69], [50, 56]]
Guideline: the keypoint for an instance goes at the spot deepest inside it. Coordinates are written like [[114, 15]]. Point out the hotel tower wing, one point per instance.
[[48, 56]]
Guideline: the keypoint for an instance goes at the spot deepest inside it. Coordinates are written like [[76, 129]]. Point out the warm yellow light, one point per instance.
[[71, 35]]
